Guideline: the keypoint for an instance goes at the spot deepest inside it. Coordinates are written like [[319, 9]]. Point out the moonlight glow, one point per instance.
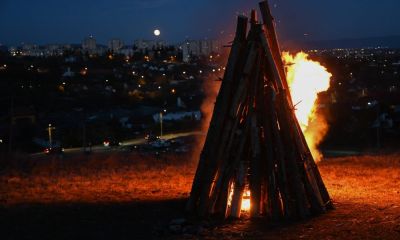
[[157, 32]]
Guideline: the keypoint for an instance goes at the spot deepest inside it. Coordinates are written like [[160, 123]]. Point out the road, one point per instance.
[[127, 143]]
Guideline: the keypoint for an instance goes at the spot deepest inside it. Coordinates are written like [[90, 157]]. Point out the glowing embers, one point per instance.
[[244, 200]]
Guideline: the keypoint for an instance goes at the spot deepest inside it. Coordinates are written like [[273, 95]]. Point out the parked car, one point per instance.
[[54, 150], [111, 143]]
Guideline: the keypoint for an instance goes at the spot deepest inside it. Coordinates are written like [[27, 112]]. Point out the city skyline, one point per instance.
[[46, 22]]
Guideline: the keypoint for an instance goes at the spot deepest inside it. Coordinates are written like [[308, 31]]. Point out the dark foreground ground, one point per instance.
[[128, 196]]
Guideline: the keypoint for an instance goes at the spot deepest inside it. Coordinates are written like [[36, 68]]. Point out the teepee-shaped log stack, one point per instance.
[[254, 142]]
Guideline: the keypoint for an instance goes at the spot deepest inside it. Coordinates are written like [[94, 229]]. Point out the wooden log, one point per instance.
[[241, 170], [253, 18], [238, 191], [206, 166], [247, 71], [314, 171], [280, 78], [218, 201], [218, 198], [294, 181], [272, 38], [313, 194], [273, 156], [219, 195], [327, 201], [255, 139], [273, 44], [229, 129], [233, 152], [255, 168], [270, 63], [279, 154], [307, 174], [267, 152]]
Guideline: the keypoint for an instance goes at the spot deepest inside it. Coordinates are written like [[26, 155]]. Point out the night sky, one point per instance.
[[69, 21]]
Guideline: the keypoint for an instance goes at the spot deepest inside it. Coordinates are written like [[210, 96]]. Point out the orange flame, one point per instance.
[[246, 201], [307, 78], [245, 205]]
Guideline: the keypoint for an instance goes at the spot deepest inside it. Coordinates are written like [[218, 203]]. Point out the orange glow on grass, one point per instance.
[[307, 78]]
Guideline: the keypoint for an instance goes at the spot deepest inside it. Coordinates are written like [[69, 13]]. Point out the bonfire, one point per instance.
[[255, 157]]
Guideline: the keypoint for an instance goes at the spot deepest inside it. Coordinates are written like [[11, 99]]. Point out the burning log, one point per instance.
[[254, 143]]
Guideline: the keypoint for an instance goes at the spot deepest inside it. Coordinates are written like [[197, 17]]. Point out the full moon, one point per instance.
[[157, 32]]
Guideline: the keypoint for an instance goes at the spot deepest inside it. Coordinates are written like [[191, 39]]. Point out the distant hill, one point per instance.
[[388, 41]]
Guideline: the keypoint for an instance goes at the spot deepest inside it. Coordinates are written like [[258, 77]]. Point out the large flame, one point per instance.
[[307, 78]]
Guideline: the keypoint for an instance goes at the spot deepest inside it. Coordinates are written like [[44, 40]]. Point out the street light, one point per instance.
[[161, 122], [161, 125], [50, 129]]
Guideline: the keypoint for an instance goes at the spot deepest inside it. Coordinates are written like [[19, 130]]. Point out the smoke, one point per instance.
[[211, 88]]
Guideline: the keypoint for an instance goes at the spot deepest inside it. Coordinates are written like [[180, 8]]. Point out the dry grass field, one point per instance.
[[128, 196]]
